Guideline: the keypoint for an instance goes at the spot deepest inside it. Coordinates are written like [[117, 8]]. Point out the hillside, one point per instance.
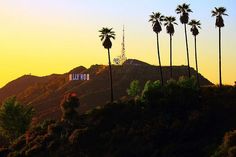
[[174, 120], [45, 93]]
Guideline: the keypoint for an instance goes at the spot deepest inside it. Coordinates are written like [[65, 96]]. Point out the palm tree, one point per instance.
[[218, 13], [156, 19], [184, 11], [106, 34], [194, 29], [169, 23]]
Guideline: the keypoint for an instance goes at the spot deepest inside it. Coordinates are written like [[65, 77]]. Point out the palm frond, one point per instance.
[[214, 13], [189, 10], [195, 23], [184, 8], [170, 20], [106, 33], [178, 10], [111, 36], [219, 11], [156, 17]]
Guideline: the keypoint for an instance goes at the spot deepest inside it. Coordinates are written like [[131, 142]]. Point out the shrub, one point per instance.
[[15, 118], [68, 107], [151, 90], [189, 83], [228, 147], [134, 89], [232, 151]]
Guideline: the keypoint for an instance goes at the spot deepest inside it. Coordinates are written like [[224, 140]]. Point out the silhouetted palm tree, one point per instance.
[[218, 13], [169, 23], [156, 19], [194, 29], [105, 36], [184, 11]]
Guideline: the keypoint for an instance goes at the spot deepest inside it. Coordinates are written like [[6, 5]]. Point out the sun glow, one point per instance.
[[41, 37]]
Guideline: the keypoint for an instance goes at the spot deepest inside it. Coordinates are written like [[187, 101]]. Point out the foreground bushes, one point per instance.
[[228, 147], [175, 120], [15, 119]]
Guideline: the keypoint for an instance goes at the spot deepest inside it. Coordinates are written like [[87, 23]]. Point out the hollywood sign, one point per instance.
[[78, 77]]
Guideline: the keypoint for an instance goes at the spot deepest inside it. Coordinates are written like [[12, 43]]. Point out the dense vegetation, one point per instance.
[[15, 119], [174, 120]]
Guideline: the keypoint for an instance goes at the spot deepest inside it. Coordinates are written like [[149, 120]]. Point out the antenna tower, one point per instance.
[[122, 58]]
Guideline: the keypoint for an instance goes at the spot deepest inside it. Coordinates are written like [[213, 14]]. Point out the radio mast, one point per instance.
[[122, 58]]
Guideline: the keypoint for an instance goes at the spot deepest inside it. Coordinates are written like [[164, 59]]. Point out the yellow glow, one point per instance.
[[49, 41]]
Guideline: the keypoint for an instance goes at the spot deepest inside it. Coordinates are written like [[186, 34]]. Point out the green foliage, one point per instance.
[[15, 118], [174, 120], [188, 83], [228, 147], [134, 88], [185, 89], [151, 90]]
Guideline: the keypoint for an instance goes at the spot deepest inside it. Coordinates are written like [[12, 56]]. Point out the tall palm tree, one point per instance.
[[218, 13], [106, 35], [194, 29], [156, 19], [169, 23], [184, 11]]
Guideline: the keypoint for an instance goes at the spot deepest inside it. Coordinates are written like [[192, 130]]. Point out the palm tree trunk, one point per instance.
[[186, 41], [220, 56], [159, 59], [110, 70], [195, 41], [171, 74]]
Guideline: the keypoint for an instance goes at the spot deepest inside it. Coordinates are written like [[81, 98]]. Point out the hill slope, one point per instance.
[[46, 92], [175, 120]]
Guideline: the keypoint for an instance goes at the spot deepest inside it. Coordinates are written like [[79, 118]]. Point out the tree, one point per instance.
[[228, 146], [68, 107], [106, 35], [184, 11], [194, 29], [15, 118], [218, 13], [134, 88], [151, 91], [169, 23], [156, 19]]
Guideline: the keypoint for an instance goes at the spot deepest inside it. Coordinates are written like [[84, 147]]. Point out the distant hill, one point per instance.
[[45, 93]]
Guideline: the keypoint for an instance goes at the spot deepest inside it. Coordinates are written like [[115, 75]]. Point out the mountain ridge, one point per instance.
[[45, 92]]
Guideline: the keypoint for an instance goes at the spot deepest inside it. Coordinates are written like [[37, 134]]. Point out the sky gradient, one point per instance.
[[42, 37]]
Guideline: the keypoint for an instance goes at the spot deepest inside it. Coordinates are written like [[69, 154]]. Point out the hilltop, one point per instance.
[[45, 93]]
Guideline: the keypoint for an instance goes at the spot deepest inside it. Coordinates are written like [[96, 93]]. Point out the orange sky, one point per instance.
[[42, 37]]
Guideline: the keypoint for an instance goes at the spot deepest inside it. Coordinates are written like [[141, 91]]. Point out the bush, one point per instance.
[[15, 118], [134, 89], [183, 91], [151, 90], [228, 147], [68, 107]]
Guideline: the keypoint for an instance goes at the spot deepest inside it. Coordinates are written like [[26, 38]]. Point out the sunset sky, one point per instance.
[[42, 37]]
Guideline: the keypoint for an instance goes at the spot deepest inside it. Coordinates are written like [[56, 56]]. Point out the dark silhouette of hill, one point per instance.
[[46, 92], [174, 120]]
